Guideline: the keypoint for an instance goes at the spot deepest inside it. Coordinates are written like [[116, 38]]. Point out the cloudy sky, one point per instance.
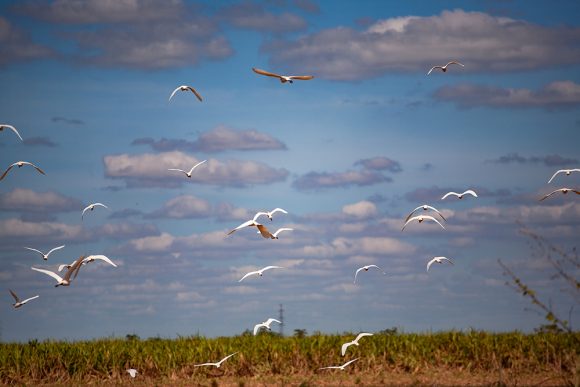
[[348, 155]]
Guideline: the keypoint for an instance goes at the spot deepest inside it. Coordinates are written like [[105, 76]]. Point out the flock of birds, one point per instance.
[[72, 269]]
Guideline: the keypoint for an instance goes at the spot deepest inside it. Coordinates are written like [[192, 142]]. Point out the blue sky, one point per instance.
[[348, 154]]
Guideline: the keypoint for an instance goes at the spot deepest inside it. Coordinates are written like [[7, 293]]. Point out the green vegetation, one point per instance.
[[270, 355]]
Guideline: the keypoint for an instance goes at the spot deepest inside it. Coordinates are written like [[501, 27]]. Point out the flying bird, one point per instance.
[[185, 88], [133, 372], [269, 214], [18, 302], [438, 260], [444, 68], [426, 207], [563, 190], [63, 281], [265, 324], [275, 235], [568, 172], [188, 174], [283, 78], [19, 164], [339, 367], [91, 207], [89, 259], [460, 195], [420, 219], [260, 272], [366, 268], [45, 256], [218, 364], [5, 126], [354, 342]]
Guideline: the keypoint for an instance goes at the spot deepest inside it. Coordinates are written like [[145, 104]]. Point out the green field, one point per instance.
[[270, 357]]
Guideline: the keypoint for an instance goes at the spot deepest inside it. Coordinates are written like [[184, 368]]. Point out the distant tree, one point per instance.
[[389, 331], [132, 337], [300, 333], [565, 267]]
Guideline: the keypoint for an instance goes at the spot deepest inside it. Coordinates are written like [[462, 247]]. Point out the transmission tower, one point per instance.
[[281, 318]]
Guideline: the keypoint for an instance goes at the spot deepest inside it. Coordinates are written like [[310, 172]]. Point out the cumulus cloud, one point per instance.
[[362, 209], [183, 207], [414, 43], [150, 170], [380, 164], [13, 230], [16, 45], [26, 200], [255, 17], [39, 141], [122, 231], [548, 160], [219, 139], [142, 34], [559, 94], [320, 180]]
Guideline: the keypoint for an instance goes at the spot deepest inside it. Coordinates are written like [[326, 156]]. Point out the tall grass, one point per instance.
[[267, 354]]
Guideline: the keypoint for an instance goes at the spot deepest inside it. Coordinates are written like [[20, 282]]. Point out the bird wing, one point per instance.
[[35, 167], [344, 347], [38, 251], [14, 130], [355, 274], [205, 364], [247, 275], [301, 77], [257, 328], [433, 68], [471, 192], [74, 268], [430, 263], [455, 62], [264, 231], [363, 334], [196, 165], [375, 266], [14, 295], [177, 169], [174, 91], [271, 267], [281, 230], [437, 211], [550, 194], [50, 273], [435, 220], [412, 212], [245, 224], [100, 204], [447, 259], [85, 210], [450, 193], [6, 172], [258, 214], [100, 257], [576, 192], [195, 92], [226, 358], [348, 362], [409, 221], [554, 175], [270, 320], [263, 72], [60, 267], [28, 299], [277, 209], [329, 367], [56, 248]]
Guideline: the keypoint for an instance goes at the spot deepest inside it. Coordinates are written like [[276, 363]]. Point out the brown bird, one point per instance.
[[563, 190], [19, 164], [283, 78]]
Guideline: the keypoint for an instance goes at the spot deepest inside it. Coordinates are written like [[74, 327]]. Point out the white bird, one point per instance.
[[563, 190], [265, 324], [339, 367], [444, 68], [19, 303], [185, 88], [63, 281], [269, 214], [568, 172], [19, 164], [133, 372], [260, 272], [218, 364], [188, 174], [354, 342], [366, 268], [45, 256], [283, 78], [426, 207], [91, 207], [275, 235], [420, 219], [5, 126], [438, 260], [89, 259], [459, 195]]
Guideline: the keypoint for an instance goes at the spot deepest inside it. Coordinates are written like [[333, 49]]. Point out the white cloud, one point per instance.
[[26, 200], [363, 209], [183, 207]]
